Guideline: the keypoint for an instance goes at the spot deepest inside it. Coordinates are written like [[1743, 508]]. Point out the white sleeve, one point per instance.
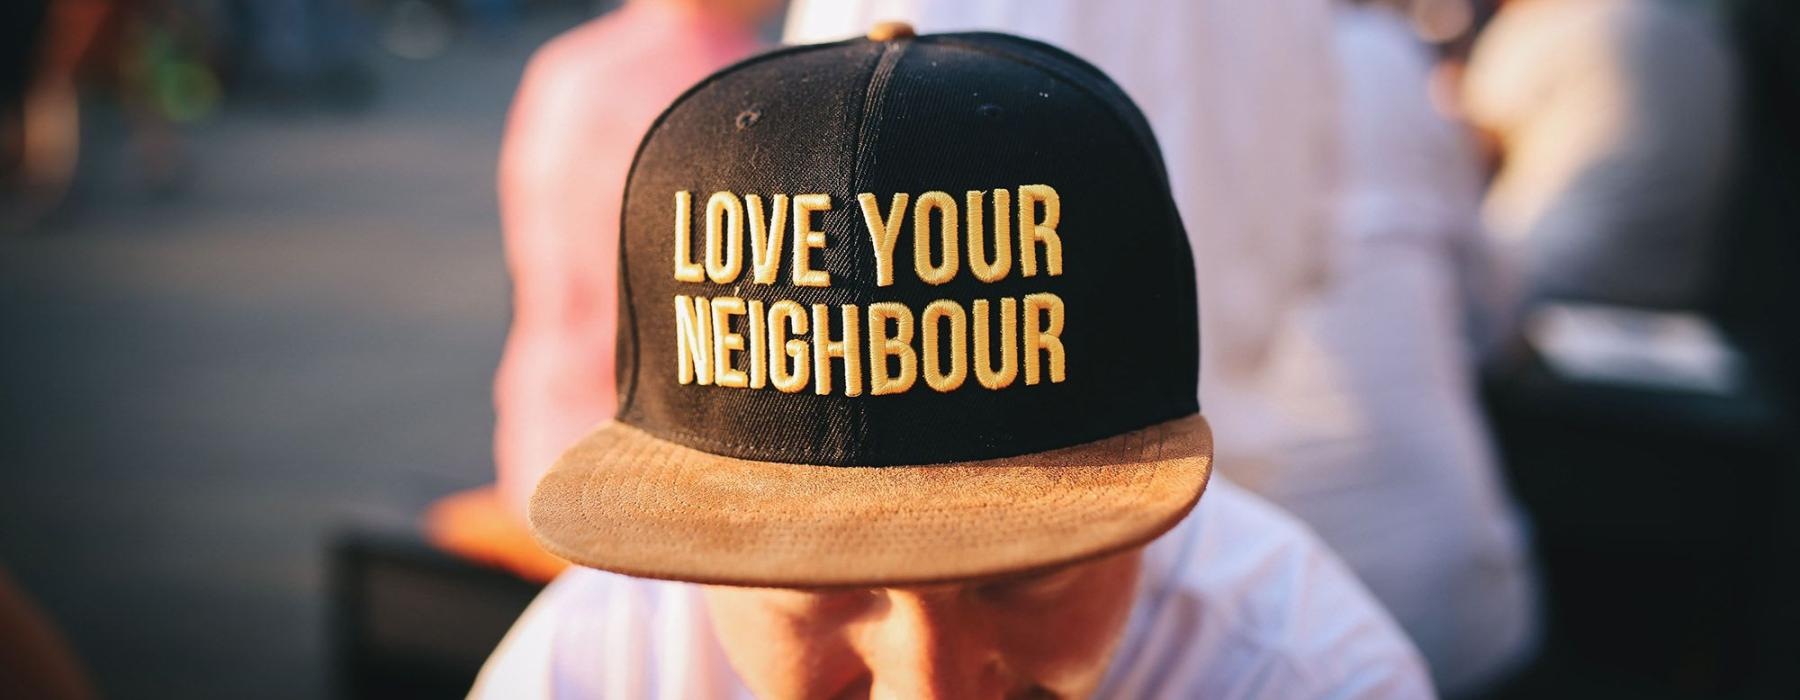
[[1264, 611], [519, 668]]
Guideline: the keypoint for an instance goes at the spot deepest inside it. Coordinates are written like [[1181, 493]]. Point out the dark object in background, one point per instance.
[[22, 24], [1755, 288], [1669, 522], [411, 621], [1666, 522]]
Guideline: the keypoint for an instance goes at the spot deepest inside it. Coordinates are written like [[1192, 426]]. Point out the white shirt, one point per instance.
[[1238, 601]]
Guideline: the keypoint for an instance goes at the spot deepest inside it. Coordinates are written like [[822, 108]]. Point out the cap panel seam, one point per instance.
[[868, 133], [874, 97]]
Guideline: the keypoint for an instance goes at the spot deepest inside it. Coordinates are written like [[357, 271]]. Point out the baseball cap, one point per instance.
[[894, 310]]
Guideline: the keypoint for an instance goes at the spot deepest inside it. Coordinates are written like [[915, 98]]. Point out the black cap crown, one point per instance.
[[923, 250]]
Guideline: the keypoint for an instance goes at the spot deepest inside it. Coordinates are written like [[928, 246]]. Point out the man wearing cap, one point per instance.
[[907, 356]]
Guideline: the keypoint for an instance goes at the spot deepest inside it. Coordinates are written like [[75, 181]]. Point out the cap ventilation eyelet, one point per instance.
[[747, 118]]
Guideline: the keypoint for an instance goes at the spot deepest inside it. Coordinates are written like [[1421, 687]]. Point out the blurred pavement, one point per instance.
[[197, 391]]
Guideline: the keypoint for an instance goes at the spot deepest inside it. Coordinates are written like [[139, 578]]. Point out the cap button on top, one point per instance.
[[889, 31]]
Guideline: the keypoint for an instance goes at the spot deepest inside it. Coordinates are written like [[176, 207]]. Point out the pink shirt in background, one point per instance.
[[585, 102]]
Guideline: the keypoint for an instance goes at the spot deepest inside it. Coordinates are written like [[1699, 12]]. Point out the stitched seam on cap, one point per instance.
[[868, 132], [874, 97]]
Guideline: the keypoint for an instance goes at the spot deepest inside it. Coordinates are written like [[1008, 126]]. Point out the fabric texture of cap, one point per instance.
[[892, 311]]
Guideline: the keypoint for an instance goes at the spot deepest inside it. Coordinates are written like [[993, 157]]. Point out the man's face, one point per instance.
[[1046, 635]]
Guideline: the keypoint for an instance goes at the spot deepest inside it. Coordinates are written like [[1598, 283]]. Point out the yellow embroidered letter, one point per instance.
[[1047, 338], [978, 264], [1009, 342], [883, 233], [765, 241], [1033, 231], [899, 345], [726, 342], [849, 348], [759, 353], [686, 270], [723, 266], [788, 317], [959, 345], [807, 240], [693, 340], [946, 208]]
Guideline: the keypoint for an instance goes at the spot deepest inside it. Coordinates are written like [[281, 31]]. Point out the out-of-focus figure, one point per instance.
[[1613, 121], [135, 53], [48, 41], [1376, 438], [1327, 207], [586, 100]]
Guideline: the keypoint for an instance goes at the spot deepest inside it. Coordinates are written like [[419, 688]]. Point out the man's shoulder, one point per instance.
[[1242, 600], [604, 620]]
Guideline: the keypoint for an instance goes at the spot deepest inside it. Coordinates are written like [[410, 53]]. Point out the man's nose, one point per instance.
[[931, 645]]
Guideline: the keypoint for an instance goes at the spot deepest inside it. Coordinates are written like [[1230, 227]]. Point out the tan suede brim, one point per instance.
[[624, 501]]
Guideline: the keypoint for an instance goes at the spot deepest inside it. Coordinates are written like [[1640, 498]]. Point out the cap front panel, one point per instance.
[[897, 253]]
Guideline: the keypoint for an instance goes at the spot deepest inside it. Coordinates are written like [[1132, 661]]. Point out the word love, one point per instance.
[[748, 340]]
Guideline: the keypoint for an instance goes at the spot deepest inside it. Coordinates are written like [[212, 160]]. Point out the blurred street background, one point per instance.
[[199, 386]]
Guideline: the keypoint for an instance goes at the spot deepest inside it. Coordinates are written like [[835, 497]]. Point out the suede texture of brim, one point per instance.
[[625, 501]]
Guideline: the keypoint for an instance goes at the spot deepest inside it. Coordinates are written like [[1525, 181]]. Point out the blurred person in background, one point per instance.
[[1381, 445], [21, 25], [47, 43], [133, 53], [1612, 122], [1329, 208], [585, 101]]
